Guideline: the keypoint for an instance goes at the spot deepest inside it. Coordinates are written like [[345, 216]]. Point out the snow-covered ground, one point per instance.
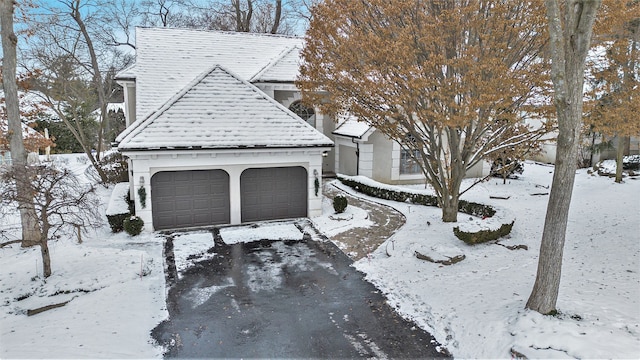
[[475, 308], [115, 284]]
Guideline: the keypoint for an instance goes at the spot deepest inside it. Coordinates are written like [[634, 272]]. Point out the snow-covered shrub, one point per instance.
[[507, 168], [631, 162], [492, 226], [466, 207], [481, 236], [339, 203], [116, 167], [118, 209], [390, 194], [116, 222], [133, 225]]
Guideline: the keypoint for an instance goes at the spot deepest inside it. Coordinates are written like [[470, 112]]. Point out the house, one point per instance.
[[361, 150], [32, 140], [213, 134], [30, 104], [211, 107]]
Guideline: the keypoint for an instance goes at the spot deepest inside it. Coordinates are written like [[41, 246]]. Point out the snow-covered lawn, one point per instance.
[[114, 283], [475, 308]]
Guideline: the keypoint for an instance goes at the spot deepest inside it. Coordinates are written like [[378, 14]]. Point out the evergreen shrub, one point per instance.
[[339, 203], [133, 225]]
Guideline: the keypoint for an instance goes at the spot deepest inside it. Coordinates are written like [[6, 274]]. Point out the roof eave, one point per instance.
[[238, 147]]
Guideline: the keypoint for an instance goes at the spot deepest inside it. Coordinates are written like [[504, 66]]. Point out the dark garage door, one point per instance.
[[273, 193], [190, 198]]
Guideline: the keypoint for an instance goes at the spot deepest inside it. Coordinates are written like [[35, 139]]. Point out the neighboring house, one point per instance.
[[361, 150], [548, 153], [31, 137], [211, 137], [30, 106]]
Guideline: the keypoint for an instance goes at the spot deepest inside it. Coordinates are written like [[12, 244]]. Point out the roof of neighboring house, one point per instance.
[[26, 130], [348, 125], [220, 110], [168, 59], [32, 101], [128, 73]]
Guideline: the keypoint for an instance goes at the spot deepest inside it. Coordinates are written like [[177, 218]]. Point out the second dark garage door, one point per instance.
[[190, 198], [273, 193]]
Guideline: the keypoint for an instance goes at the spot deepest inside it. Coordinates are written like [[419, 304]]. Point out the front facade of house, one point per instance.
[[210, 136], [217, 133]]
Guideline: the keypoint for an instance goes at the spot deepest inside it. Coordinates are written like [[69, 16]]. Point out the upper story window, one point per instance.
[[306, 113], [408, 164]]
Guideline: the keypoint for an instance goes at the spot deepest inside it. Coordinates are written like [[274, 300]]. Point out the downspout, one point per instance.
[[357, 155]]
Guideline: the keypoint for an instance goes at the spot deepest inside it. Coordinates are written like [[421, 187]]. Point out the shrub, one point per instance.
[[482, 236], [133, 225], [118, 209], [500, 225], [339, 203], [116, 222], [506, 169], [631, 162], [116, 167]]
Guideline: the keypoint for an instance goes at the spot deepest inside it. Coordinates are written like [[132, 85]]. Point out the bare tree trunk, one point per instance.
[[619, 156], [276, 17], [46, 258], [30, 228], [243, 19], [97, 76], [569, 46]]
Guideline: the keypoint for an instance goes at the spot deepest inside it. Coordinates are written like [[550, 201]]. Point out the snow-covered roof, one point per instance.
[[283, 69], [26, 130], [168, 59], [220, 110], [128, 73], [32, 101], [348, 125]]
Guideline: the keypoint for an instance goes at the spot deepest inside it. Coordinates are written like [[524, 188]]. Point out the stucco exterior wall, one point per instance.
[[382, 157], [144, 164]]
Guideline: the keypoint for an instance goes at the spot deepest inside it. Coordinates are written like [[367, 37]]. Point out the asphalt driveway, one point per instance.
[[281, 299]]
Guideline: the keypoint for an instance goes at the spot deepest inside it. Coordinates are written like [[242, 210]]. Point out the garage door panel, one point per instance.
[[190, 198], [273, 193]]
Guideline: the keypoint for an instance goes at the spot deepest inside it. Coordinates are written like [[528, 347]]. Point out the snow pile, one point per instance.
[[266, 231], [188, 247]]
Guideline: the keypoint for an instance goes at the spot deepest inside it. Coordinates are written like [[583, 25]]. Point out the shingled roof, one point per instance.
[[168, 59], [220, 110]]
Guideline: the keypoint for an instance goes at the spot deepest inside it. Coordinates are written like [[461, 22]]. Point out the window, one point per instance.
[[306, 113], [408, 164]]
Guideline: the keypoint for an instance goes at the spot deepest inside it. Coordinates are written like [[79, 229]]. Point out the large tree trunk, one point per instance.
[[619, 156], [569, 47], [30, 228], [276, 17]]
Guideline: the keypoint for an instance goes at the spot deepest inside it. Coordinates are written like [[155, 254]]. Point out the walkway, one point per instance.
[[359, 242]]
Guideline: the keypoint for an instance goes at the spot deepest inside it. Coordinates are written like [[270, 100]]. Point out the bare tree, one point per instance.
[[30, 230], [68, 32], [62, 205], [570, 28]]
